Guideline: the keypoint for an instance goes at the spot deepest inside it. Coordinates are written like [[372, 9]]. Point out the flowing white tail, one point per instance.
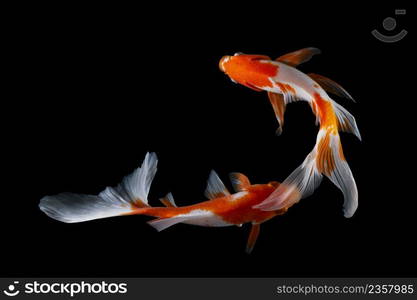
[[131, 194], [326, 158]]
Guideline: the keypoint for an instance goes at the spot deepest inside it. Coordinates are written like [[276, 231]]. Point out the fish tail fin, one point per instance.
[[332, 163], [326, 158], [129, 197]]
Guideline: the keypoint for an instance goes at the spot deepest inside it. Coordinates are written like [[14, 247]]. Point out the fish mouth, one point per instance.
[[223, 60]]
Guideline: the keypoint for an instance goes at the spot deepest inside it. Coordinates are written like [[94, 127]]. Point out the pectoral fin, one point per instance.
[[278, 104], [253, 236]]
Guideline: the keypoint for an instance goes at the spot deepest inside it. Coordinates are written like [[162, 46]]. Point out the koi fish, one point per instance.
[[130, 197], [285, 84]]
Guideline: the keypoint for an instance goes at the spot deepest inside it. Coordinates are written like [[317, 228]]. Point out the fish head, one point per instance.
[[233, 66], [230, 62], [244, 68]]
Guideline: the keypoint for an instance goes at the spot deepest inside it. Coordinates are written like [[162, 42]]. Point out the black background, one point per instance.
[[93, 89]]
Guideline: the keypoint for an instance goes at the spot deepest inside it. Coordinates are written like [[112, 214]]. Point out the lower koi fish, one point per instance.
[[130, 197]]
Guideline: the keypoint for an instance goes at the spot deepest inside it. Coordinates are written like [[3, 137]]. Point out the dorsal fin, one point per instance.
[[330, 86], [295, 58], [168, 200], [239, 181], [215, 187]]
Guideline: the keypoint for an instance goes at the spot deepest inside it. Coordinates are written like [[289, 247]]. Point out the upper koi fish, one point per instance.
[[284, 84]]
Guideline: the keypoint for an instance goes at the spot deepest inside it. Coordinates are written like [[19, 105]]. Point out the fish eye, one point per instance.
[[238, 53]]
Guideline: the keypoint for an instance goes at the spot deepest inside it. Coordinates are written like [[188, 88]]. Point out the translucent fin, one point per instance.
[[327, 158], [332, 163], [135, 187], [330, 86], [168, 200], [299, 184], [215, 187], [346, 122], [342, 177], [129, 195], [239, 181], [74, 208], [278, 104], [297, 57], [161, 224]]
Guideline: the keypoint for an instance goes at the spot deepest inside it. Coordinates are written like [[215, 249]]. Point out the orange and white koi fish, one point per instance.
[[284, 84], [131, 198]]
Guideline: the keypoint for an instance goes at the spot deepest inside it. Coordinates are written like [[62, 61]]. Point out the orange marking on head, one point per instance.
[[249, 70]]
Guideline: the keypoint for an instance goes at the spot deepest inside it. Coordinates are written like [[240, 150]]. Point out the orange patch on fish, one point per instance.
[[249, 70], [324, 110], [286, 88]]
